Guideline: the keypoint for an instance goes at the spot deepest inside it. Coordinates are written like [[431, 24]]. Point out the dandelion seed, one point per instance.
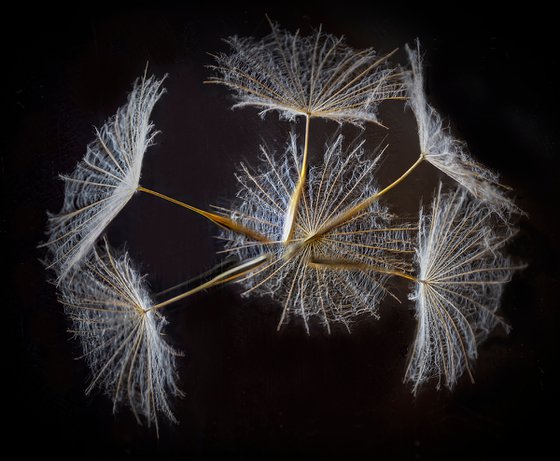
[[461, 273], [336, 275], [445, 152], [121, 335], [104, 181], [316, 76]]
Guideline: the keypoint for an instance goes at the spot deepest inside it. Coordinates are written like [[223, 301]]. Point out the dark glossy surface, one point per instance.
[[250, 391]]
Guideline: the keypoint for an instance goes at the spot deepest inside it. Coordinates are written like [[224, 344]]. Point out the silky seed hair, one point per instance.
[[121, 337], [462, 271], [104, 180], [317, 75], [447, 153], [344, 272]]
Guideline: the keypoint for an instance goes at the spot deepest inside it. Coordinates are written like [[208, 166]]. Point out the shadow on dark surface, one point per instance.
[[250, 391]]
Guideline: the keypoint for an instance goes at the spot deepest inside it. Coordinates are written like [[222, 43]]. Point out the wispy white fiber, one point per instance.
[[332, 276], [317, 75], [461, 272], [445, 152], [122, 339], [104, 180]]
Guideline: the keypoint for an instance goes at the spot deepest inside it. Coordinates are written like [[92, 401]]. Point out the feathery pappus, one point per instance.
[[104, 180], [121, 335], [334, 273], [462, 270], [446, 153], [317, 75]]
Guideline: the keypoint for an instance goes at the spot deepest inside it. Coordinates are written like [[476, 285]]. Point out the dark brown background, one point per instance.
[[252, 392]]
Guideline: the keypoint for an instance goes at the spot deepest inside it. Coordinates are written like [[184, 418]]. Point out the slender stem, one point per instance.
[[398, 274], [221, 221], [226, 276], [289, 224], [323, 263], [170, 199], [345, 216], [400, 179], [196, 278]]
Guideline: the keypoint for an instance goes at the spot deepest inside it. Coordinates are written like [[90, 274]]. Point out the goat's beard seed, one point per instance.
[[336, 275]]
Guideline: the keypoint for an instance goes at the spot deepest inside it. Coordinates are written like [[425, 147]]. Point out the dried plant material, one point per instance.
[[335, 275], [104, 181], [316, 75], [314, 237], [461, 275], [121, 335], [445, 152]]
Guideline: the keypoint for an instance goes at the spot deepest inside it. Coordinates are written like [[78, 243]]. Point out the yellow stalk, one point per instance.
[[325, 263], [345, 216], [226, 276], [289, 224], [221, 221]]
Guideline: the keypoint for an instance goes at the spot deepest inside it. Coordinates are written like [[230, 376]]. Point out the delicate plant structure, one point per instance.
[[314, 76], [461, 274], [105, 180], [446, 153], [318, 239], [333, 270], [120, 331]]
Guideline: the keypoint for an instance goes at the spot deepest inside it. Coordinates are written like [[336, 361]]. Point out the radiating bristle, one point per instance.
[[121, 337], [330, 276], [447, 153], [462, 271], [317, 75], [104, 180]]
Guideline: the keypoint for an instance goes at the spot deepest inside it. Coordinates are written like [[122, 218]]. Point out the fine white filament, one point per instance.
[[447, 153], [316, 75], [121, 337], [335, 276], [461, 275], [104, 180]]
